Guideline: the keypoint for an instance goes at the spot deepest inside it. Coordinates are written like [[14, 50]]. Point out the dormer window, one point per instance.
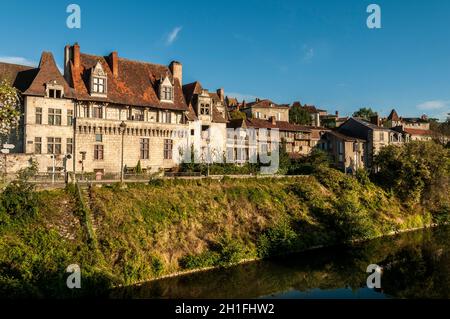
[[54, 90], [98, 81], [166, 90], [99, 85], [204, 109], [167, 93]]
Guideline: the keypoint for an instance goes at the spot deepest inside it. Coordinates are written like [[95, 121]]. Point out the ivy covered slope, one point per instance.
[[123, 236]]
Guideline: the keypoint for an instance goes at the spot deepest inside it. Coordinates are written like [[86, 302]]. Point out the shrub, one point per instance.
[[19, 197], [277, 240], [231, 251], [157, 265], [203, 260]]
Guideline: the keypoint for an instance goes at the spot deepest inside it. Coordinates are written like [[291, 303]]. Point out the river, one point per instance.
[[415, 265]]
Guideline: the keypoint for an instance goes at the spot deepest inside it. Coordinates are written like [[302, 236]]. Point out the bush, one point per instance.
[[157, 266], [231, 251], [277, 240], [203, 260], [19, 197]]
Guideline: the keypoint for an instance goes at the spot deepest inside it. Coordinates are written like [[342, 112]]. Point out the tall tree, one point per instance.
[[365, 113], [9, 109], [299, 115]]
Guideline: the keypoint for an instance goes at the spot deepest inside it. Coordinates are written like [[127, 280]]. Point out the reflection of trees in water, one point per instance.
[[415, 265]]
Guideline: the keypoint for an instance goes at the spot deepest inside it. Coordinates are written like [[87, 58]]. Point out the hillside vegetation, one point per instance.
[[120, 236]]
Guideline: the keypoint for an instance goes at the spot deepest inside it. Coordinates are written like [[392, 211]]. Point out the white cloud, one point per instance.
[[172, 36], [240, 96], [434, 105], [17, 60]]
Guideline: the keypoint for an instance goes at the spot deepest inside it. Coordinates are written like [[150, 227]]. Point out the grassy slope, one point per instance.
[[146, 231]]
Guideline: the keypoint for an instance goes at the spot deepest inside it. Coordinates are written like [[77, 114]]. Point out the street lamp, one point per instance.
[[123, 125]]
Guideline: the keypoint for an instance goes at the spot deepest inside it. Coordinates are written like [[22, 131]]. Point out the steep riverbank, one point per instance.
[[124, 236]]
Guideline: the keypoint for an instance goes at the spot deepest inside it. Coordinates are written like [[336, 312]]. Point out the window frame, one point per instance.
[[37, 141], [38, 115], [144, 149], [99, 84], [69, 117], [54, 117], [99, 152], [168, 149]]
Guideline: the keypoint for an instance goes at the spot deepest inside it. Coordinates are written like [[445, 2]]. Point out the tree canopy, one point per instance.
[[237, 115], [365, 113], [298, 115], [415, 172]]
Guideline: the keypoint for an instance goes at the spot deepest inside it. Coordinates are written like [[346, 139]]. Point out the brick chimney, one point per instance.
[[113, 60], [177, 71], [76, 56], [220, 93]]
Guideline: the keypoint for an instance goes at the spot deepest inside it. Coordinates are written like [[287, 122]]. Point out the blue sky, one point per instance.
[[319, 52]]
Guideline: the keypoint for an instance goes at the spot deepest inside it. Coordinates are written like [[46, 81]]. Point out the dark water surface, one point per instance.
[[415, 265]]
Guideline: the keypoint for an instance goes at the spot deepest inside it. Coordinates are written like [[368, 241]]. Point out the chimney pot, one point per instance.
[[273, 120]]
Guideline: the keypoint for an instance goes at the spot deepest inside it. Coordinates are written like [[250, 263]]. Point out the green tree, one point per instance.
[[237, 115], [284, 160], [365, 113], [299, 115], [9, 108], [416, 172]]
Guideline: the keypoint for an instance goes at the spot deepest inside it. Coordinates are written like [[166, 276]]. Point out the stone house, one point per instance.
[[418, 129], [207, 116], [347, 153], [265, 109], [298, 140], [375, 136], [80, 119]]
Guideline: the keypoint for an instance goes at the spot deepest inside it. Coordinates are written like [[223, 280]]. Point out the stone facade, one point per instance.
[[347, 153], [266, 109]]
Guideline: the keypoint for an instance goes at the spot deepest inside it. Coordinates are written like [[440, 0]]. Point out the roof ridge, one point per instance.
[[124, 59]]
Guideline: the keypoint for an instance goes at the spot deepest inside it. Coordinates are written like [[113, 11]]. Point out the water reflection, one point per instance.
[[415, 265]]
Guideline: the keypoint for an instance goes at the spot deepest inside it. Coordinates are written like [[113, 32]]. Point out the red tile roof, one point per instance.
[[47, 72], [136, 83], [414, 131], [264, 104]]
